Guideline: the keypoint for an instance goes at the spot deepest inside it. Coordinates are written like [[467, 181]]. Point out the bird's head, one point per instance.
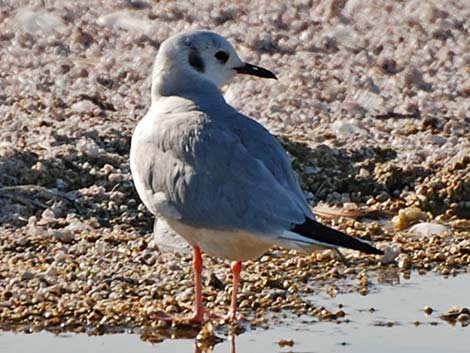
[[200, 55]]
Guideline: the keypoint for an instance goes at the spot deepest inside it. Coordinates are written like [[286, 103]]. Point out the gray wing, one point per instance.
[[263, 146], [210, 177]]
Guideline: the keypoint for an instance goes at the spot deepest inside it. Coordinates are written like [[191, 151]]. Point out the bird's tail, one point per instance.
[[312, 234]]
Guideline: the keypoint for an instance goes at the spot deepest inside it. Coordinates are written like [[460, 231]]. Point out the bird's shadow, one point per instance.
[[72, 182], [362, 172], [323, 171]]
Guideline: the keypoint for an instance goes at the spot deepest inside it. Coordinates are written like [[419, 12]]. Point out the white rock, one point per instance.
[[78, 227], [83, 106], [390, 254], [51, 271], [125, 21], [62, 236], [428, 228], [102, 247], [48, 214], [60, 256], [346, 128], [372, 102], [34, 21], [88, 147], [363, 173]]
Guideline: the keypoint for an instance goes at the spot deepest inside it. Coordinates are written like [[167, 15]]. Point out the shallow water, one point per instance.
[[400, 304]]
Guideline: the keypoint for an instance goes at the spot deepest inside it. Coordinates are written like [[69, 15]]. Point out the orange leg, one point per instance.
[[198, 316], [199, 306], [236, 269]]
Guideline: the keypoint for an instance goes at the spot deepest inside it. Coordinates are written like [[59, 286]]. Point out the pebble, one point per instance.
[[391, 254], [404, 261], [407, 216], [63, 236], [26, 276], [60, 256], [285, 343], [428, 229]]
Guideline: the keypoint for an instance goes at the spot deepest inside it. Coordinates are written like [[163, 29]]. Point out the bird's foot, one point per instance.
[[233, 317]]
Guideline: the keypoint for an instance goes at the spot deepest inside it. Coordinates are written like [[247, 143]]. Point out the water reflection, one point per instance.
[[200, 347], [205, 338], [158, 335], [389, 275], [411, 328]]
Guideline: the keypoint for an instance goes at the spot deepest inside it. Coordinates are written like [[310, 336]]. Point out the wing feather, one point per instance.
[[212, 175]]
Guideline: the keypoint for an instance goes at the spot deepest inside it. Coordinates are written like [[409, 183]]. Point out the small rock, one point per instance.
[[88, 147], [363, 173], [428, 229], [387, 65], [64, 236], [78, 227], [215, 282], [39, 21], [428, 310], [48, 214], [407, 216], [26, 276], [414, 78], [390, 254], [83, 106], [285, 343], [60, 256], [404, 261], [125, 21], [346, 128], [51, 271]]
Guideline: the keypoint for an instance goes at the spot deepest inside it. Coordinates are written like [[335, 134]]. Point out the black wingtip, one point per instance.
[[329, 236]]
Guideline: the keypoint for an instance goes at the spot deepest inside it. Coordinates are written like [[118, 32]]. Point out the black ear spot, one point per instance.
[[222, 56], [195, 60]]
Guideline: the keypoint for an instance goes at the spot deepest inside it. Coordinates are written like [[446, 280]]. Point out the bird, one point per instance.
[[218, 178]]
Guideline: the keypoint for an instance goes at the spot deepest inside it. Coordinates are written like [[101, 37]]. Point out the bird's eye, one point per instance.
[[222, 56]]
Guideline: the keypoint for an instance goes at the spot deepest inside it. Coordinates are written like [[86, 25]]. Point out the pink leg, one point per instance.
[[199, 306], [198, 316], [236, 269]]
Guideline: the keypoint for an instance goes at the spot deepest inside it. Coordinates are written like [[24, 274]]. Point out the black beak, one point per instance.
[[255, 71]]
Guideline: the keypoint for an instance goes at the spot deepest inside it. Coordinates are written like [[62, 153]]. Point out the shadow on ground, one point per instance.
[[99, 185]]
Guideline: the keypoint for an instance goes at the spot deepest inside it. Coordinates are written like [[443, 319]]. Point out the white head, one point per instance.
[[198, 57]]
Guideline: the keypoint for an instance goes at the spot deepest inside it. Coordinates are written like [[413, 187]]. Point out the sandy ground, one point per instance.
[[372, 103]]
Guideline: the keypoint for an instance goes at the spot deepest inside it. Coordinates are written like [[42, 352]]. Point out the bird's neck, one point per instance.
[[168, 80], [203, 93]]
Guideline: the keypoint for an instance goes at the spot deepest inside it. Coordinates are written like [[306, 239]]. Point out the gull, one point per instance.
[[218, 178]]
